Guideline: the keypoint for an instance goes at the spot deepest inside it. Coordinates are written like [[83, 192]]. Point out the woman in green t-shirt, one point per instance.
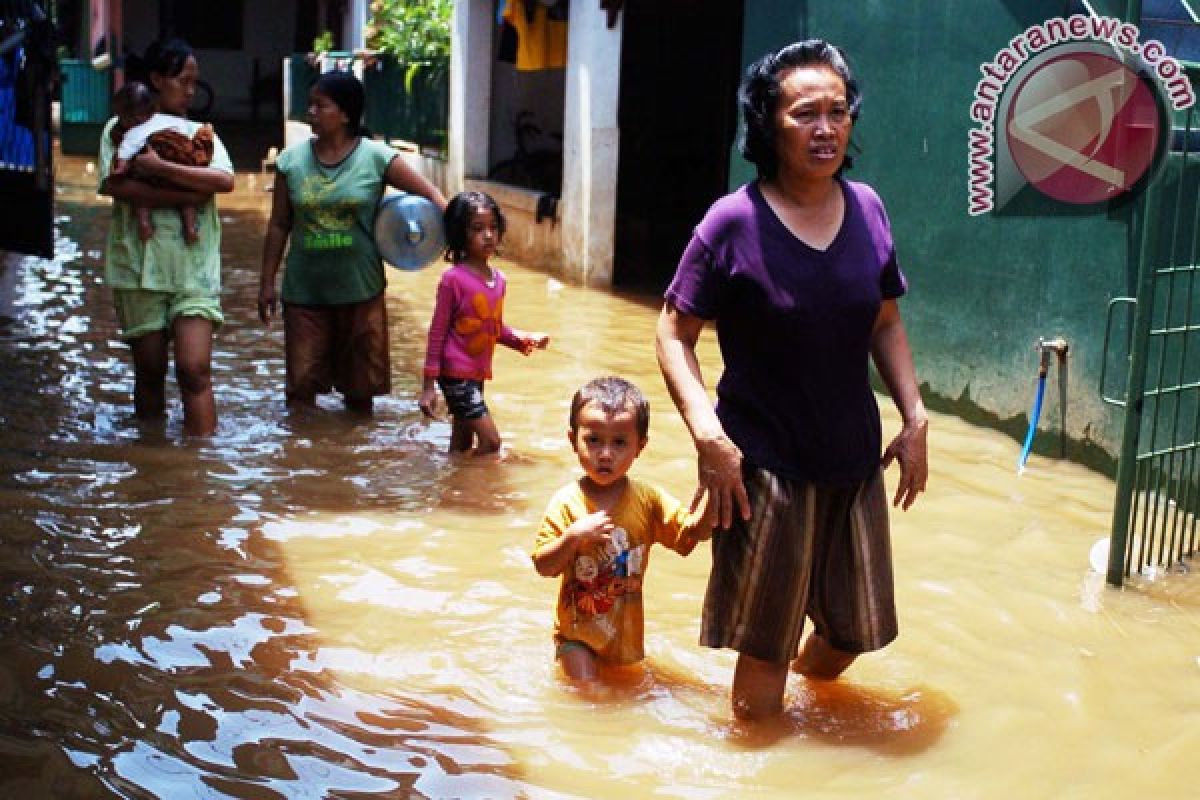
[[327, 193], [165, 289]]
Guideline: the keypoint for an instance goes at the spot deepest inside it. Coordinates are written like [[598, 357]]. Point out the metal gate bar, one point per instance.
[[1154, 519]]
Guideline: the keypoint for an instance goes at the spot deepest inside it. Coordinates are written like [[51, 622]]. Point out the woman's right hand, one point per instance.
[[718, 459], [267, 303], [719, 464]]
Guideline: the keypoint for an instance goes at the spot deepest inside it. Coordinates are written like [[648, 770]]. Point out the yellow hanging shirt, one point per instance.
[[542, 43]]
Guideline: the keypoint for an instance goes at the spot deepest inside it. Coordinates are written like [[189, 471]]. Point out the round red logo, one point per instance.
[[1083, 128]]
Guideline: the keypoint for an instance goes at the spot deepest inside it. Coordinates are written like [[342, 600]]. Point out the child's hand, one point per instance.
[[427, 401], [534, 341], [701, 531], [686, 544], [148, 162], [702, 521], [592, 529]]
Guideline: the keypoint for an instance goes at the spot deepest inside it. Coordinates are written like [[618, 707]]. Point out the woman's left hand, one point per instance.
[[909, 448]]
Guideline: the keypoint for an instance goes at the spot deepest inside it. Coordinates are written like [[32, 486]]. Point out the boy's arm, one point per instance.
[[689, 528], [554, 553]]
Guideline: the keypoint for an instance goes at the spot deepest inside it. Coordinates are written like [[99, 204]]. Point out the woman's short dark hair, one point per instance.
[[612, 394], [457, 217], [347, 93], [162, 57], [759, 93]]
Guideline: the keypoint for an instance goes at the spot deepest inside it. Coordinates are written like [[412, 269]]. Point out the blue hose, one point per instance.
[[1034, 416]]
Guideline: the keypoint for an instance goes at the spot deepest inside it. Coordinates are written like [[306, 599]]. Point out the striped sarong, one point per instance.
[[817, 551]]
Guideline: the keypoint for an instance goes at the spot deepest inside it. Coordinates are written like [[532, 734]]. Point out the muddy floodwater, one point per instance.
[[326, 607]]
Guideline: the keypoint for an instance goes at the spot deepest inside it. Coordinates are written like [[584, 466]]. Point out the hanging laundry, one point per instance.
[[16, 140], [27, 68], [506, 50], [541, 39], [613, 7], [98, 27]]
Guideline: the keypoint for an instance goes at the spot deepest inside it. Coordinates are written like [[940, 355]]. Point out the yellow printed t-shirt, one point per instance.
[[600, 598]]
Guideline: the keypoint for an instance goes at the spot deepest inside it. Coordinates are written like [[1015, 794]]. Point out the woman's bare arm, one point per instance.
[[200, 179], [893, 358], [720, 460], [279, 228], [140, 193], [403, 177]]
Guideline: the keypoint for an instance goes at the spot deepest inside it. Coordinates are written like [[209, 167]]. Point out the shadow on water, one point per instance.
[[154, 640], [842, 713], [637, 684]]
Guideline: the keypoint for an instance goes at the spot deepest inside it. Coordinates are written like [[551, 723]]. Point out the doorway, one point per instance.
[[680, 67]]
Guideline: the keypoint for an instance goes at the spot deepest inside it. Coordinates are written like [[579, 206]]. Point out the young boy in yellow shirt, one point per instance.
[[597, 531]]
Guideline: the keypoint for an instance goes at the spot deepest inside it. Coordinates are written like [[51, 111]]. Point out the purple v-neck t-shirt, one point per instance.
[[794, 326]]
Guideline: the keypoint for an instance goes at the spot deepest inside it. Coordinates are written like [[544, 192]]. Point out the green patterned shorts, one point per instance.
[[142, 311]]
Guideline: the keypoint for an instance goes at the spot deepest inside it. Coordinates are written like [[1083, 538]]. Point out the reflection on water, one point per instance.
[[321, 606]]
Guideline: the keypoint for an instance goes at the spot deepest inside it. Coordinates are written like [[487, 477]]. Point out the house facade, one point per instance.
[[605, 132], [241, 43], [644, 103], [605, 129]]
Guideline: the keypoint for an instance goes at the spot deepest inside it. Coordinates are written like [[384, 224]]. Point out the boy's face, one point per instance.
[[606, 443]]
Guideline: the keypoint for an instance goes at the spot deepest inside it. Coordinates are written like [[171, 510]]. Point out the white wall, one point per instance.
[[590, 146], [578, 242], [542, 92], [470, 91]]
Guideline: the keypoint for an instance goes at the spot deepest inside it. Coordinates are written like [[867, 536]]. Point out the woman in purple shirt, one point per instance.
[[799, 274]]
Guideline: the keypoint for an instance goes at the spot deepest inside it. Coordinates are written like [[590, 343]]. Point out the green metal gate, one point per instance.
[[1158, 473]]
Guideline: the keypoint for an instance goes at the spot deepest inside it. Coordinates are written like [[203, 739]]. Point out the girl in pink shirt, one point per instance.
[[467, 323]]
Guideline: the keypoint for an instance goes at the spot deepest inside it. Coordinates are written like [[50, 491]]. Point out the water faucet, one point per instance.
[[1058, 346]]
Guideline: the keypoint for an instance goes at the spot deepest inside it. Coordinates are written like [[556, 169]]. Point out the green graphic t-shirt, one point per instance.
[[332, 258], [164, 263]]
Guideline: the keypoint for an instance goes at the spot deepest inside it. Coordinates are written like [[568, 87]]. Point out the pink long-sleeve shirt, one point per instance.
[[467, 323]]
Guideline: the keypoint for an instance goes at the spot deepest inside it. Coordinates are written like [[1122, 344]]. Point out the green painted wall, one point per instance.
[[982, 289]]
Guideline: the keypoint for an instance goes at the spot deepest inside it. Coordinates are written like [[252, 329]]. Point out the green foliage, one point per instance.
[[323, 43], [414, 32]]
